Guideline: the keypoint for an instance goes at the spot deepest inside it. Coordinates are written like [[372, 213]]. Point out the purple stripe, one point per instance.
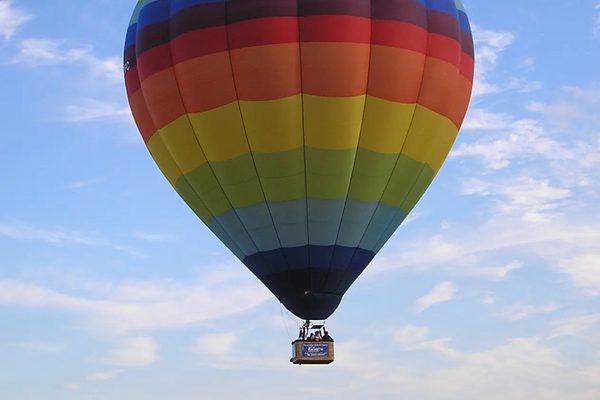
[[357, 8], [210, 15]]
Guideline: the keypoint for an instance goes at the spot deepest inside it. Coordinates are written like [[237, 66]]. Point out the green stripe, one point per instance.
[[234, 183]]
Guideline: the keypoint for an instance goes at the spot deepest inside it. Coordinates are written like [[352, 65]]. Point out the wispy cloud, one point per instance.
[[92, 110], [103, 376], [59, 236], [85, 183], [121, 308], [574, 325], [522, 311], [154, 237], [216, 344], [43, 52], [132, 352], [442, 292], [105, 72], [410, 334], [72, 386], [11, 19], [39, 347]]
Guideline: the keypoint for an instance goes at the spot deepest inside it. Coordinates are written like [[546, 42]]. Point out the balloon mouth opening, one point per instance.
[[312, 306]]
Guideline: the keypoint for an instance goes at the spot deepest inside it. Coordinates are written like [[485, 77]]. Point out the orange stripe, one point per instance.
[[270, 72], [439, 86], [206, 82], [141, 115], [267, 72], [163, 98], [335, 69], [396, 74], [462, 97]]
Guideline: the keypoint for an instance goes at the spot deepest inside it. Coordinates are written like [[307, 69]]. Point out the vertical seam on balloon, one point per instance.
[[418, 176], [362, 125], [399, 153], [182, 174], [198, 140], [299, 19], [287, 264]]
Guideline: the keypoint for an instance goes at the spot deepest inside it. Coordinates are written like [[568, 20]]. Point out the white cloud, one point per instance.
[[92, 110], [488, 300], [11, 19], [410, 334], [481, 119], [216, 344], [522, 311], [574, 325], [72, 386], [44, 52], [59, 236], [154, 237], [103, 376], [520, 369], [133, 306], [583, 270], [133, 352], [488, 45], [442, 292], [85, 183], [494, 273], [41, 347], [106, 73]]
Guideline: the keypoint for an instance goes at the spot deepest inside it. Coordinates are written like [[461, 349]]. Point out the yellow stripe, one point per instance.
[[273, 126], [181, 142], [333, 123], [385, 125], [163, 159], [276, 126], [221, 133], [428, 138]]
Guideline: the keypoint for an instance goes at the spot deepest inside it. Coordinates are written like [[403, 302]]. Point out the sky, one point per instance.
[[110, 287]]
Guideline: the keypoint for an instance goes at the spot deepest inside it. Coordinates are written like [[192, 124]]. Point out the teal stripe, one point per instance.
[[359, 224]]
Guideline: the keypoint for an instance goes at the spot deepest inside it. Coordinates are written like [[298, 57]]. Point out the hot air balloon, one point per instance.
[[301, 132]]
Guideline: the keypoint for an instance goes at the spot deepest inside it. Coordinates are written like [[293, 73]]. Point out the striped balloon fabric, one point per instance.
[[301, 132]]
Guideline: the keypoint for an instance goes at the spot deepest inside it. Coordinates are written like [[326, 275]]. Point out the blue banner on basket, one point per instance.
[[315, 350]]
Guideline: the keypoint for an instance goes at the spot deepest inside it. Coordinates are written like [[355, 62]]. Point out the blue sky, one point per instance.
[[111, 288]]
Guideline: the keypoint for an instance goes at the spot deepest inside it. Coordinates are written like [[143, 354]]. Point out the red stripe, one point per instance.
[[467, 66], [400, 35], [132, 81], [336, 28], [267, 31], [258, 32], [443, 48], [155, 60], [199, 43]]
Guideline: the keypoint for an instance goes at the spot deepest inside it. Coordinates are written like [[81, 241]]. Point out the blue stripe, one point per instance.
[[324, 218], [136, 13], [131, 35], [156, 11], [387, 233], [231, 223], [280, 260], [464, 22], [385, 217], [447, 6], [178, 5]]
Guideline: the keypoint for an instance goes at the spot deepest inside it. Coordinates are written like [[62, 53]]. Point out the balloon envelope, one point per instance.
[[301, 132]]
